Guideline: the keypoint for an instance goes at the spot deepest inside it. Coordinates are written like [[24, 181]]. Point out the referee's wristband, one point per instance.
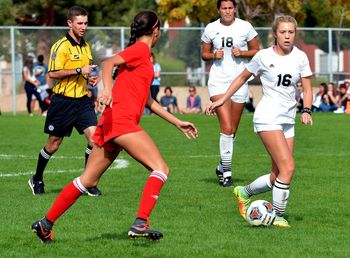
[[306, 110]]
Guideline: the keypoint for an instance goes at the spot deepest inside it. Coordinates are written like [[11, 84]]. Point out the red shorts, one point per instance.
[[107, 129]]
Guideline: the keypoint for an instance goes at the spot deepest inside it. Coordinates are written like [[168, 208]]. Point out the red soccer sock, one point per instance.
[[65, 199], [150, 194]]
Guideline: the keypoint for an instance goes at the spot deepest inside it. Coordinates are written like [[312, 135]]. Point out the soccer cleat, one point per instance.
[[36, 187], [143, 230], [281, 222], [242, 199], [220, 175], [227, 182], [93, 191], [44, 235]]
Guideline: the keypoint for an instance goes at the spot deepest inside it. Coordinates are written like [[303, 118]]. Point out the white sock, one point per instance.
[[77, 183], [280, 195], [260, 185], [226, 151]]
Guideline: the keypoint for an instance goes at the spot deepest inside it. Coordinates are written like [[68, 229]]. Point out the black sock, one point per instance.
[[87, 153], [43, 158]]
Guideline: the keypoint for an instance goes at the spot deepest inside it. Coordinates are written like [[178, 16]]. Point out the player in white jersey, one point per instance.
[[280, 68], [230, 43]]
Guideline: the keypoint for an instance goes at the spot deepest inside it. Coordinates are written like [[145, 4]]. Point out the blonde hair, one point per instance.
[[280, 19]]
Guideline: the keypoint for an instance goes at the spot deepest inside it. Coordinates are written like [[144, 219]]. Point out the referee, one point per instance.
[[70, 64]]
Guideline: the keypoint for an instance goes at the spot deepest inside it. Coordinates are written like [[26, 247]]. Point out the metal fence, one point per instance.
[[178, 52]]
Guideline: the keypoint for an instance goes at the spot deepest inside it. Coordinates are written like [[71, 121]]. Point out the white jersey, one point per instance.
[[221, 36], [279, 76]]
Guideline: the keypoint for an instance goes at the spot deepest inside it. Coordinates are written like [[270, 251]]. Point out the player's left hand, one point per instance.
[[236, 52], [106, 97], [306, 119], [188, 129], [210, 110]]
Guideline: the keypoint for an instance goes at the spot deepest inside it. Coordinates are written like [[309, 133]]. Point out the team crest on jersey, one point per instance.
[[271, 66]]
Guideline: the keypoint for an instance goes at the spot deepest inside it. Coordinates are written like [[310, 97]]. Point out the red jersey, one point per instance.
[[130, 94]]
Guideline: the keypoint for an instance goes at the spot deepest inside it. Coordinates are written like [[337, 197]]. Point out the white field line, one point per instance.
[[117, 164]]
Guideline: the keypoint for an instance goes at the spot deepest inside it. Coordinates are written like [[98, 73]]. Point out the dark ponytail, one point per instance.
[[143, 24]]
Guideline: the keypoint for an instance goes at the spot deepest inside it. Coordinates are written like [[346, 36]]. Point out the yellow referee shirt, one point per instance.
[[68, 54]]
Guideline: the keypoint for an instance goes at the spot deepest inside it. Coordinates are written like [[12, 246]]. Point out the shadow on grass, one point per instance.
[[123, 236], [214, 180]]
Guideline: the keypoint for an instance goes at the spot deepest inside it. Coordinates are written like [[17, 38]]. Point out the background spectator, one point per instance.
[[169, 102], [318, 97], [343, 98], [40, 71], [31, 84], [329, 99], [193, 102], [249, 104], [156, 81], [299, 96]]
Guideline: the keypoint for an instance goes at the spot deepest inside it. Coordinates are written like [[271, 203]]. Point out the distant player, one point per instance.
[[69, 65], [280, 67], [230, 43], [119, 129]]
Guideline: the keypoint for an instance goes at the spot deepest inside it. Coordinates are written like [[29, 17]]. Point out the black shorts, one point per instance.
[[65, 113]]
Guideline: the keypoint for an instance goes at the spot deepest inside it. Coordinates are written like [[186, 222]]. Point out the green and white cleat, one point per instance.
[[242, 199], [281, 222]]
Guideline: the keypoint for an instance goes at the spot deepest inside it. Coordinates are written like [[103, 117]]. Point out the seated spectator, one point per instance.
[[169, 102], [193, 102], [343, 99], [299, 97], [318, 97], [329, 99]]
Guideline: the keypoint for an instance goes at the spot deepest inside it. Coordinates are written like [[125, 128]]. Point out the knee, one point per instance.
[[227, 129], [163, 168], [52, 147]]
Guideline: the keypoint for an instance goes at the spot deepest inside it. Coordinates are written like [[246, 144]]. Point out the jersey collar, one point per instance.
[[73, 42]]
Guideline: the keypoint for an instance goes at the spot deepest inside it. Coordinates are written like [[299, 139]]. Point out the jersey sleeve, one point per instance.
[[305, 70], [206, 35], [251, 32], [134, 54], [157, 67], [254, 65], [57, 58]]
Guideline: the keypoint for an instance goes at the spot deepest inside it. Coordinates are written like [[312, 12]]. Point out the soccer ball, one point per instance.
[[260, 213]]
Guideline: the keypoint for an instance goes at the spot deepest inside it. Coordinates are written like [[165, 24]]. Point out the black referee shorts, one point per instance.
[[65, 113]]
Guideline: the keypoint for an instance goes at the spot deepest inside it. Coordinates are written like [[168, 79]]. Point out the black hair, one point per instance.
[[76, 11], [40, 58], [143, 24], [218, 3], [168, 88]]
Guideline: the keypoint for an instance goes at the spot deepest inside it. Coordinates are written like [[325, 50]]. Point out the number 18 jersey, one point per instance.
[[279, 76], [225, 37]]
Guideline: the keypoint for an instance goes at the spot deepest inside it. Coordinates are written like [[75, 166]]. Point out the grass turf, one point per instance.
[[198, 218]]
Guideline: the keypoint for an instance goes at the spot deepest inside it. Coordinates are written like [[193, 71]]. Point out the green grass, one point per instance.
[[198, 218]]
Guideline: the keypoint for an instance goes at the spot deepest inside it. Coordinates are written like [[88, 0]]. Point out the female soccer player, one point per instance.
[[230, 43], [280, 68], [119, 129]]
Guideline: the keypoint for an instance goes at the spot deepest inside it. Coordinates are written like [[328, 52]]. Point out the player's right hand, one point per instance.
[[219, 53]]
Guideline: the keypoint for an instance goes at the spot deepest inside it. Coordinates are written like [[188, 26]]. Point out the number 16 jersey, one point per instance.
[[279, 76]]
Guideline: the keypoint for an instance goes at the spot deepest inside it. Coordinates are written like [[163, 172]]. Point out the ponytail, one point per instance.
[[143, 24]]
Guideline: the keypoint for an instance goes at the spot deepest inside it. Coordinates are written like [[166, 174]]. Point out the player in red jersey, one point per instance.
[[119, 129]]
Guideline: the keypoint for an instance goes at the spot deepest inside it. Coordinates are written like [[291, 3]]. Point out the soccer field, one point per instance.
[[198, 218]]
